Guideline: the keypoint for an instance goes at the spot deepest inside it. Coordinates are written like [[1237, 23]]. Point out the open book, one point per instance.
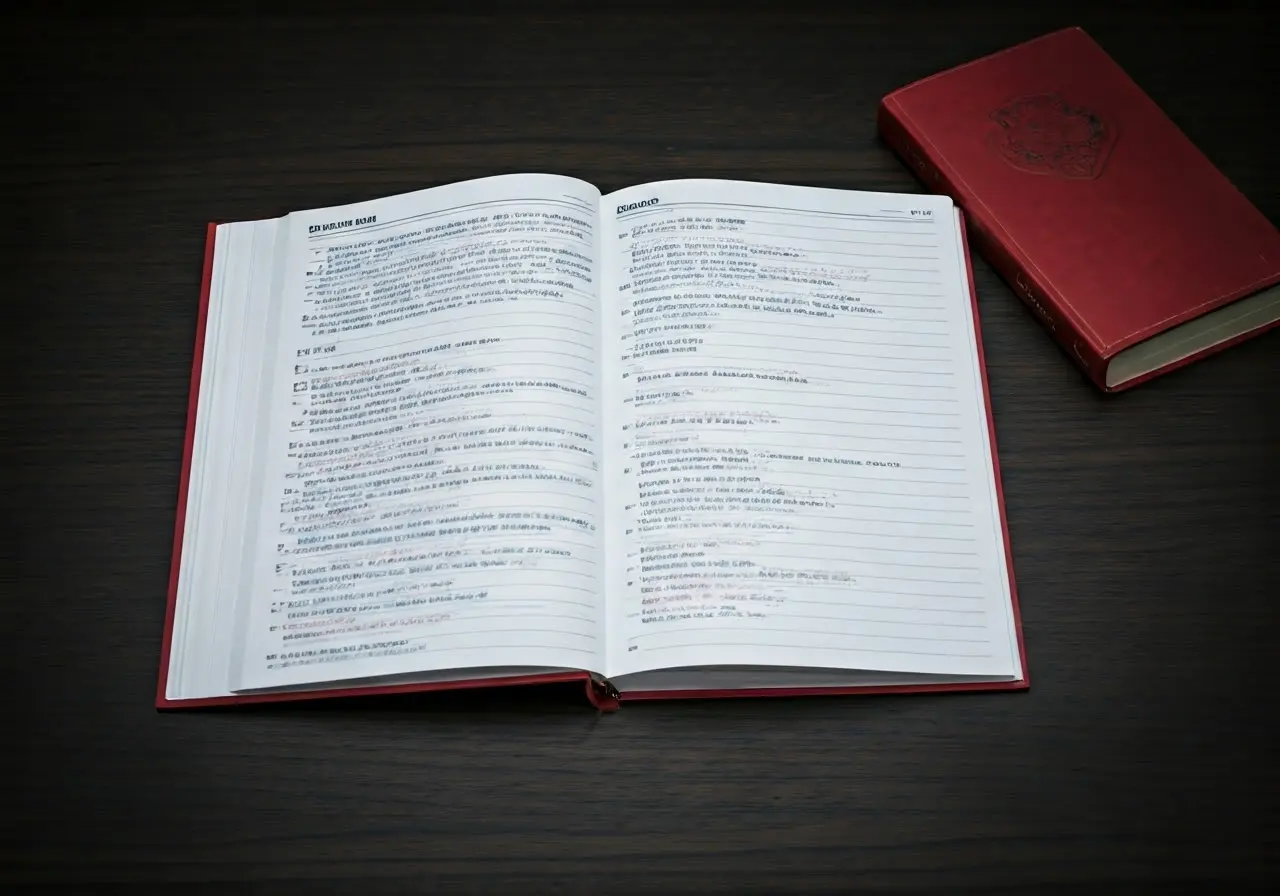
[[693, 438]]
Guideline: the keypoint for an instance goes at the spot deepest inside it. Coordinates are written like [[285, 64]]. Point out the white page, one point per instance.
[[238, 326], [431, 493], [793, 395]]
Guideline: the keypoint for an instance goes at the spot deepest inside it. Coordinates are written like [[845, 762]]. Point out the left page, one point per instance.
[[429, 497]]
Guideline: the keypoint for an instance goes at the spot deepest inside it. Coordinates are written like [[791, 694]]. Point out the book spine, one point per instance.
[[1009, 262]]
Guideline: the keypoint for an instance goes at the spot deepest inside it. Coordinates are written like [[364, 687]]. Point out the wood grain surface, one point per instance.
[[1145, 526]]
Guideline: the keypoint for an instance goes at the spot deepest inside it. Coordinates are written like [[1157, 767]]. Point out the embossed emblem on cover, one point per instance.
[[1044, 134]]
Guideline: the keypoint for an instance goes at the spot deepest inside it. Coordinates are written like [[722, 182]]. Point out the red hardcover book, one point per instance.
[[1135, 252], [513, 432]]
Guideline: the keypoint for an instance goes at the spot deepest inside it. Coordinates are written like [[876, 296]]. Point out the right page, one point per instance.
[[800, 472]]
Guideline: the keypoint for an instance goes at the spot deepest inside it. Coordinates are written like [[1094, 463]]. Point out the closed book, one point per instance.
[[1123, 238]]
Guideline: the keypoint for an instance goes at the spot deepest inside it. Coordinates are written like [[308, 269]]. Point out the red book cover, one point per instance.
[[1134, 251]]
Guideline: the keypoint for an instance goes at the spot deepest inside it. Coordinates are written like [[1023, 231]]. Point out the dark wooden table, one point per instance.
[[1144, 526]]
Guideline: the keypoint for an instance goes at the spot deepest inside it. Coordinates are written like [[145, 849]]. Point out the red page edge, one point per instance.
[[1020, 684], [188, 448]]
